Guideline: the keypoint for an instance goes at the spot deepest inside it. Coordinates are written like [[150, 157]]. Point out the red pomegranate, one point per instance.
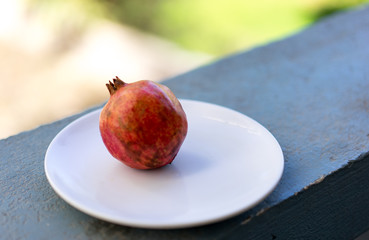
[[143, 124]]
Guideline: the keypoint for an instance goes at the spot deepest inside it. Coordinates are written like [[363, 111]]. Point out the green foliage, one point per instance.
[[216, 27], [330, 7], [219, 27]]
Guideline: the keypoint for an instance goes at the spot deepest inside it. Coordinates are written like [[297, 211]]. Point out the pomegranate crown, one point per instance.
[[115, 85]]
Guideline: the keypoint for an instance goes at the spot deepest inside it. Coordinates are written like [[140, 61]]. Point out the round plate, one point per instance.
[[227, 164]]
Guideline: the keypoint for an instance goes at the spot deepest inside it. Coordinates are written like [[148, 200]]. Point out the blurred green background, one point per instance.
[[216, 27], [60, 53]]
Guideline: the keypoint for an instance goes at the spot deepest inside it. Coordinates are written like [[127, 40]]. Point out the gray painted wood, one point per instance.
[[310, 91]]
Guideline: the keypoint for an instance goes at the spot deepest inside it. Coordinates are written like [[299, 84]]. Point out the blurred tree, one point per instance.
[[220, 27], [216, 27]]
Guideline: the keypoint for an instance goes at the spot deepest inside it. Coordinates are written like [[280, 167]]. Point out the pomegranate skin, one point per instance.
[[143, 124]]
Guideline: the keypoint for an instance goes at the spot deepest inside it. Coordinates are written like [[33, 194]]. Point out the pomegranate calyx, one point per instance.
[[115, 85]]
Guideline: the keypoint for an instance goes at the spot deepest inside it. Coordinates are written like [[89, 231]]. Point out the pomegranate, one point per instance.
[[143, 124]]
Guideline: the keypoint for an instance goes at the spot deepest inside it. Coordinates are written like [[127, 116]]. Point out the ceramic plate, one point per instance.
[[227, 164]]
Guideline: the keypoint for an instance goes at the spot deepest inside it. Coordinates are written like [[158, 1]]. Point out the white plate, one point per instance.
[[227, 164]]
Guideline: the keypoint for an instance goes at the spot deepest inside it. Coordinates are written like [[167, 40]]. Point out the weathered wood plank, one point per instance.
[[334, 207]]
